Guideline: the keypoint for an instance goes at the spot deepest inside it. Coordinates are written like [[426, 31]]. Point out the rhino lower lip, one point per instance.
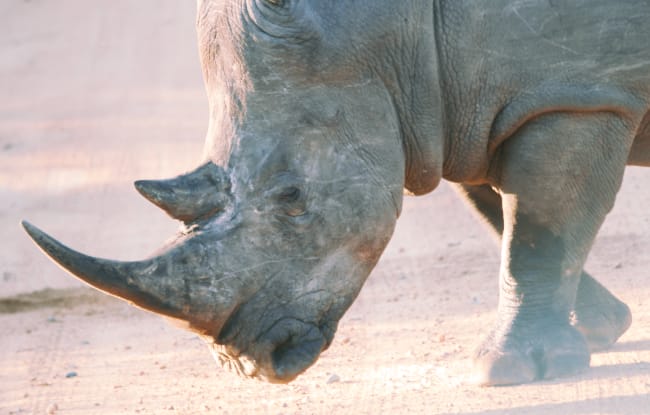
[[300, 350], [282, 352], [291, 360]]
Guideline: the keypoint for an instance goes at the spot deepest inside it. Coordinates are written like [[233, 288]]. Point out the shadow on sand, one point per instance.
[[615, 405]]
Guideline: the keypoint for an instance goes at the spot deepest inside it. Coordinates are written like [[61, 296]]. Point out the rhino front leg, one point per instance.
[[558, 177], [598, 314]]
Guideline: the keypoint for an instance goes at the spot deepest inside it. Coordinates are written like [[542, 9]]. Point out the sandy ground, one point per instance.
[[98, 94]]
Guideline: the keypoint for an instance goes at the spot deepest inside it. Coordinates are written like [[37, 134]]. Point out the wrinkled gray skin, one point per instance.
[[322, 111]]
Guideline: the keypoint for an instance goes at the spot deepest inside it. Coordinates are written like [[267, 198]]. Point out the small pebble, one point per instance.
[[52, 408], [333, 379], [71, 374]]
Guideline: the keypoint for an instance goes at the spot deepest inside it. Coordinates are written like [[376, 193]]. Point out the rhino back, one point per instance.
[[505, 61]]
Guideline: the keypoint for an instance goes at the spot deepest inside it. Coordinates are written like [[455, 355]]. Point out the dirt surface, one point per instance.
[[98, 94]]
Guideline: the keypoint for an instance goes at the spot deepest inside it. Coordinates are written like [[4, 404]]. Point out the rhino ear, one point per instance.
[[191, 196]]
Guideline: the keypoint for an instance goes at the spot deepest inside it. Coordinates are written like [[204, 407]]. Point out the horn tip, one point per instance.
[[42, 239], [142, 186], [31, 230], [153, 190]]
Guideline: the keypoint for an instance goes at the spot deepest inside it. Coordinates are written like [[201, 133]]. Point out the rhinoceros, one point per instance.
[[322, 112]]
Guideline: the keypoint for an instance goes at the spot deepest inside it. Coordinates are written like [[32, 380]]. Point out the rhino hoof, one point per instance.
[[602, 325], [513, 358]]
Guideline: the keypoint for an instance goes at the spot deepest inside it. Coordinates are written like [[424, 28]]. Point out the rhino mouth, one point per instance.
[[280, 354], [297, 348]]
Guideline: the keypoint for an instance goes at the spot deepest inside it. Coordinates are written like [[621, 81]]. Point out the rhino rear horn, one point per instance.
[[191, 196]]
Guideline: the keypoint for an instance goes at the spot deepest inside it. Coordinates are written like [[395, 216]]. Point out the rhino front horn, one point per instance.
[[189, 197], [146, 284]]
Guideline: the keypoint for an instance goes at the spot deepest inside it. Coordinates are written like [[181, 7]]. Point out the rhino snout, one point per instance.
[[278, 355]]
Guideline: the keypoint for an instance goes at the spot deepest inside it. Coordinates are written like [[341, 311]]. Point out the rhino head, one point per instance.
[[321, 113]]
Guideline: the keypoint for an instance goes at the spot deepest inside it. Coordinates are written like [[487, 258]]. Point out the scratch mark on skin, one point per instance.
[[535, 32], [352, 181], [275, 261], [628, 67], [516, 12], [546, 21], [561, 46], [491, 52]]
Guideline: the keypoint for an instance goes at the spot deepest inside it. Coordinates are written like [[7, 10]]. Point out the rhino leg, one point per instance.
[[555, 196], [598, 314]]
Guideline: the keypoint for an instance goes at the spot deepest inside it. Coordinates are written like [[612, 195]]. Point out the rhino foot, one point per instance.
[[603, 327], [599, 316], [515, 357]]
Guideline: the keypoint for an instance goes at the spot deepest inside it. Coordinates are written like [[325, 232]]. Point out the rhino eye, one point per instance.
[[281, 8], [293, 201], [278, 5], [290, 194]]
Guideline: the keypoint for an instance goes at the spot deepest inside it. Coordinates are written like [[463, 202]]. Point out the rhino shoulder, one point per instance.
[[561, 97]]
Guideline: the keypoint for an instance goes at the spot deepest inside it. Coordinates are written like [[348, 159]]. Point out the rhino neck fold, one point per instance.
[[425, 133]]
